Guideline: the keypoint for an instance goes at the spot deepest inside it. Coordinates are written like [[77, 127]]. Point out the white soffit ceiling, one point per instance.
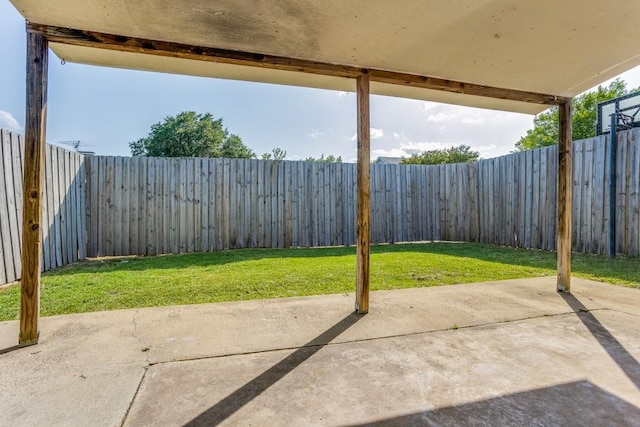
[[547, 46]]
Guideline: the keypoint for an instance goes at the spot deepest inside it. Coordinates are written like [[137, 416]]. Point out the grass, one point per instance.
[[274, 273]]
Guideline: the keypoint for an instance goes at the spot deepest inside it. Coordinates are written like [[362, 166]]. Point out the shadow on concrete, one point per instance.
[[10, 349], [571, 404], [618, 353], [245, 394]]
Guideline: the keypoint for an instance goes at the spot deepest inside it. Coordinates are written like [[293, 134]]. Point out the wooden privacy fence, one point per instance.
[[158, 205], [100, 206], [64, 211], [148, 206]]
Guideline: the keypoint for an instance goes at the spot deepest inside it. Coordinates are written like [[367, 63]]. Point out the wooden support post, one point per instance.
[[35, 126], [363, 215], [565, 186]]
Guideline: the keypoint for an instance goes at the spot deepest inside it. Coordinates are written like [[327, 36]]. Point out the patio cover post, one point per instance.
[[565, 184], [363, 214], [35, 127]]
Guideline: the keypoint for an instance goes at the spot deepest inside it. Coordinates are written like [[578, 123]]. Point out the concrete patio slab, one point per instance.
[[511, 352]]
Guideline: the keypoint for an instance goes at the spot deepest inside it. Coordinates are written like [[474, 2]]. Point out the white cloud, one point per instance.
[[342, 93], [473, 120], [441, 116], [315, 135], [438, 113], [393, 152], [7, 121], [428, 105], [409, 148], [490, 151], [374, 133]]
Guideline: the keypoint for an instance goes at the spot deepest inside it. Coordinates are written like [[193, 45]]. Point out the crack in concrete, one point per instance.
[[145, 348], [189, 359], [622, 312]]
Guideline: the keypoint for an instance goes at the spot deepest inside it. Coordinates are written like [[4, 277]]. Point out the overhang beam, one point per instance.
[[122, 43]]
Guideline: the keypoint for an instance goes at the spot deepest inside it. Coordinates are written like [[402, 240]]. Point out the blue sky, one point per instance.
[[107, 108]]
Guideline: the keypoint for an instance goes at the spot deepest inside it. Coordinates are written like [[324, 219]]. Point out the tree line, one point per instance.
[[190, 134]]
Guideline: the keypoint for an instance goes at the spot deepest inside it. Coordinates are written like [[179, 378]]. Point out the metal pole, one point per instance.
[[613, 150]]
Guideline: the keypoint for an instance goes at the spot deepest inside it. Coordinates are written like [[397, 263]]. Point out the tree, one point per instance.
[[276, 154], [585, 110], [190, 135], [329, 159], [460, 154]]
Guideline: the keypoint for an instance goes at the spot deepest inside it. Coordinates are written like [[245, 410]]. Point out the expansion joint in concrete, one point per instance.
[[135, 394]]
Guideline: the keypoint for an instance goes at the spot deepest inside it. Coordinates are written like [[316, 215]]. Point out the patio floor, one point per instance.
[[503, 353]]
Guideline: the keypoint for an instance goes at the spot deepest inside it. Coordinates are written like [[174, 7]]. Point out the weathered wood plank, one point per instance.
[[182, 206], [295, 208], [8, 273], [226, 183], [204, 205], [268, 205], [93, 190], [598, 205], [125, 211], [576, 193], [9, 210], [117, 206], [197, 205], [586, 243], [132, 166], [622, 230], [49, 240], [174, 206], [634, 194], [189, 201], [544, 201], [287, 198], [46, 249], [279, 224], [212, 228], [82, 215], [101, 206], [17, 155]]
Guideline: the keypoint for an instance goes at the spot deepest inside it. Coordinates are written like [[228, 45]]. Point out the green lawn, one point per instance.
[[274, 273]]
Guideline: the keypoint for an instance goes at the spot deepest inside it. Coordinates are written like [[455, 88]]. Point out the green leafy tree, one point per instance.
[[276, 154], [585, 110], [190, 135], [329, 159], [460, 154]]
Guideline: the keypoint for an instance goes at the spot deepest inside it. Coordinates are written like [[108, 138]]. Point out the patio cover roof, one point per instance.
[[550, 47]]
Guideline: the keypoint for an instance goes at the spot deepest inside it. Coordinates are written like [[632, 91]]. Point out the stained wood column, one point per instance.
[[363, 211], [36, 120], [565, 185]]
